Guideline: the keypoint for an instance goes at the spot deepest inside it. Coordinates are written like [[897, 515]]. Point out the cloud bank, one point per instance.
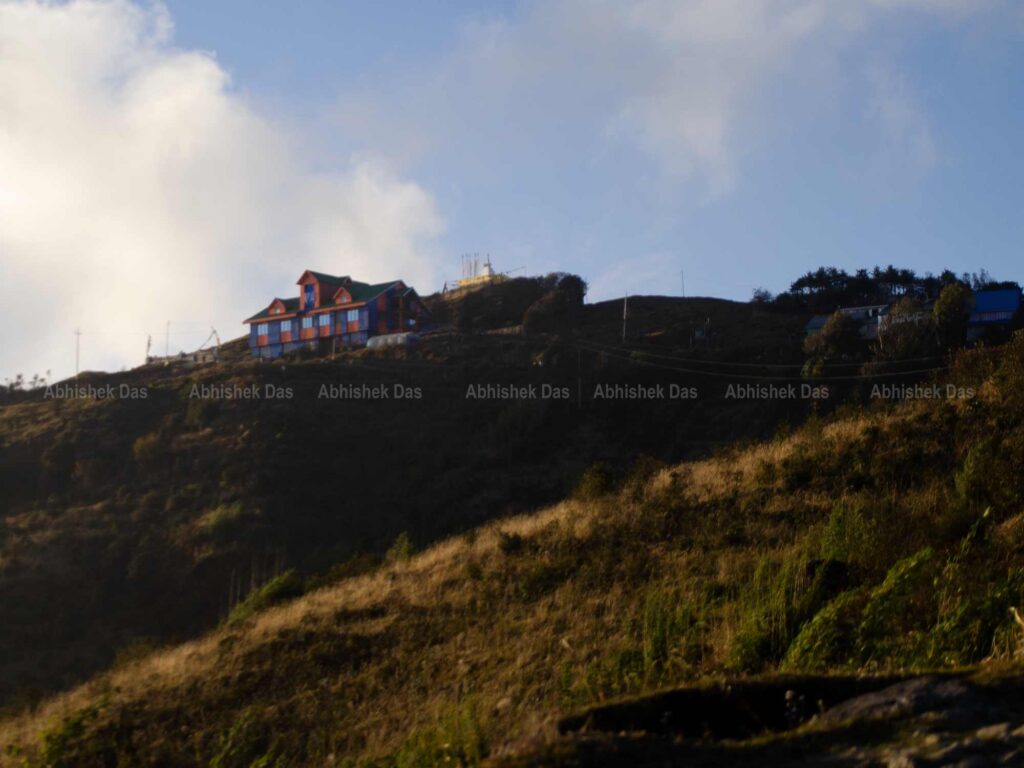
[[137, 186]]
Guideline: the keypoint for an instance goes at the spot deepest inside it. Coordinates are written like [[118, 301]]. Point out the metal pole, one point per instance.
[[625, 314]]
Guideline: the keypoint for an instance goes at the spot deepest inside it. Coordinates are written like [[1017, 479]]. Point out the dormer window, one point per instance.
[[310, 295]]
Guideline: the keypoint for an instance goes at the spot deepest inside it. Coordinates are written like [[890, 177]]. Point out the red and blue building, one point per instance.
[[333, 312]]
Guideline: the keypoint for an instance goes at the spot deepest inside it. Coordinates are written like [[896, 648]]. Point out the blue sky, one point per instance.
[[819, 181], [156, 153]]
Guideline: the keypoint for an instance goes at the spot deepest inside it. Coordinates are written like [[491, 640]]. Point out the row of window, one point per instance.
[[324, 321]]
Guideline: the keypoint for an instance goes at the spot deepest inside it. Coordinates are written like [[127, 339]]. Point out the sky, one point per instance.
[[185, 161]]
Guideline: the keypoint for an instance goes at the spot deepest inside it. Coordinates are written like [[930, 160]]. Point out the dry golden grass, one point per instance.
[[446, 636]]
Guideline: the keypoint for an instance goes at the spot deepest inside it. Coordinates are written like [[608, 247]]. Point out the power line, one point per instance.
[[730, 364], [722, 375]]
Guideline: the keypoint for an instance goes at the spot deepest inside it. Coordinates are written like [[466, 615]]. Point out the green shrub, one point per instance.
[[870, 535], [284, 587], [148, 451], [619, 673], [246, 744], [60, 743], [456, 739], [776, 603], [900, 611], [224, 522], [673, 634], [986, 477], [827, 641], [401, 550]]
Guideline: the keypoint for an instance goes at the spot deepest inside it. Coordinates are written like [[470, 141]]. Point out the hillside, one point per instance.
[[128, 523], [886, 539]]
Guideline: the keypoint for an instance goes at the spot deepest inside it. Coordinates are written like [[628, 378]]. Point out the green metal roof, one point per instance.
[[360, 292], [290, 305], [366, 291], [323, 277]]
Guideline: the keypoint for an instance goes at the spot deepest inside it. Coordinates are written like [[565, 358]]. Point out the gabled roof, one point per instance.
[[360, 293], [290, 305], [323, 277], [367, 291]]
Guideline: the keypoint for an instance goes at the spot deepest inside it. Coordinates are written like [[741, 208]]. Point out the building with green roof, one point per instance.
[[334, 311]]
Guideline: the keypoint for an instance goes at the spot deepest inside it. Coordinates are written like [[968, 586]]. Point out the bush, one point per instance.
[[558, 308], [673, 635], [224, 522], [148, 451], [827, 640], [456, 739], [595, 482], [60, 743], [246, 744], [899, 611], [401, 550], [775, 605], [284, 587]]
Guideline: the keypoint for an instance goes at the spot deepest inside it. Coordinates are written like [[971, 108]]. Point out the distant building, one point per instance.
[[993, 311], [867, 318], [475, 275], [333, 312]]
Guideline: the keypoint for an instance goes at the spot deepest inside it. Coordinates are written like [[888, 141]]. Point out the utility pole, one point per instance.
[[682, 279], [78, 338], [625, 314]]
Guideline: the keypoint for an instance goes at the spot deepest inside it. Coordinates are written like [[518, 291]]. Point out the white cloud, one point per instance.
[[635, 275], [136, 186], [906, 135], [687, 83]]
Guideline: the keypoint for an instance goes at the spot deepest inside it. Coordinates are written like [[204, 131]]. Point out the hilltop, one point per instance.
[[129, 523], [882, 539]]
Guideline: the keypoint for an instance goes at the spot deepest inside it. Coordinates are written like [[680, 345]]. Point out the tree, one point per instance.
[[950, 314], [557, 309], [838, 340], [905, 333]]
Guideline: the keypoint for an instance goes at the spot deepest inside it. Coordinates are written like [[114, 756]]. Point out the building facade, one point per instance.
[[333, 312]]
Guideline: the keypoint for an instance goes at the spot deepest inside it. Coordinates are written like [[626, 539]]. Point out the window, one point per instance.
[[263, 328], [325, 320], [307, 322], [286, 326], [352, 316], [310, 295]]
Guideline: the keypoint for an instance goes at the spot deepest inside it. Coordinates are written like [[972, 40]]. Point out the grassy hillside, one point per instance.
[[885, 538], [126, 524]]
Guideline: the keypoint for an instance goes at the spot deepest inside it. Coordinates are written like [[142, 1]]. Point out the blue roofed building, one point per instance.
[[994, 311]]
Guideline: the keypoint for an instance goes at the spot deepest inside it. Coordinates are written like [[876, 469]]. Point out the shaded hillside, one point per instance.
[[889, 539], [127, 523]]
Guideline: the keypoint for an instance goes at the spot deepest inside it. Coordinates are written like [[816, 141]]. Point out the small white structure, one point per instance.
[[392, 340]]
